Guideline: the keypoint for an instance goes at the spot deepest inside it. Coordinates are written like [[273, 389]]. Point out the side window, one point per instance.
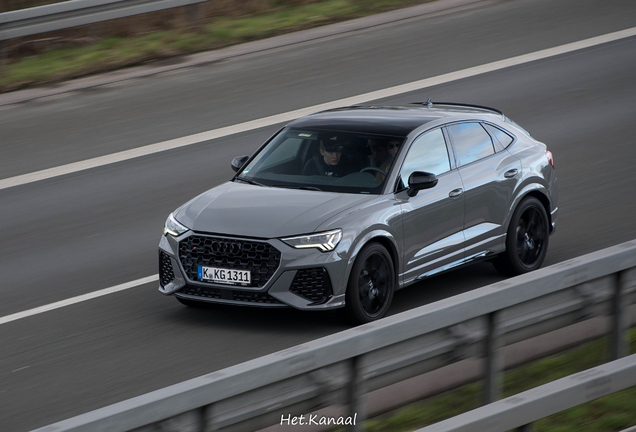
[[471, 142], [427, 153], [501, 136]]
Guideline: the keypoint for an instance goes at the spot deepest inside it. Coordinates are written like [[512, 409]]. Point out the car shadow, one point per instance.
[[445, 285], [291, 321]]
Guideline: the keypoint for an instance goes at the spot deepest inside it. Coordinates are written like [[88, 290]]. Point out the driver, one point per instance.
[[330, 162], [381, 157], [393, 146]]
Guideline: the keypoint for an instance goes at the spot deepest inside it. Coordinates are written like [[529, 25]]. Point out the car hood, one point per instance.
[[266, 212]]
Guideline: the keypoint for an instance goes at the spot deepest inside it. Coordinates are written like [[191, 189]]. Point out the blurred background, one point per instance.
[[107, 45]]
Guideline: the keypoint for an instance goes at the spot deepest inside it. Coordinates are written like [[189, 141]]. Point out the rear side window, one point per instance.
[[427, 153], [503, 138], [471, 142]]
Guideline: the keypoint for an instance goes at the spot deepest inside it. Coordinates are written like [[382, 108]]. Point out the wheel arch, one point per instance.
[[544, 201], [390, 247], [383, 238], [509, 263], [537, 191]]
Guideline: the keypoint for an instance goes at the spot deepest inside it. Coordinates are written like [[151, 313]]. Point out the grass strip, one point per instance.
[[612, 413], [115, 52]]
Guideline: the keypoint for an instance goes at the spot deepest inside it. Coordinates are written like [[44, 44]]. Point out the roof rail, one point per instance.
[[430, 103]]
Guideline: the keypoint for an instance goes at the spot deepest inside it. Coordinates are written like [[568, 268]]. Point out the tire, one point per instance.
[[526, 241], [371, 285]]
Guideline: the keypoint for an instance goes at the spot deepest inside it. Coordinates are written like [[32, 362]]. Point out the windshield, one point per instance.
[[323, 160]]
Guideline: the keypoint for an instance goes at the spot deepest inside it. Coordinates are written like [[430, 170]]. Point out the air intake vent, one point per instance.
[[166, 275], [312, 284]]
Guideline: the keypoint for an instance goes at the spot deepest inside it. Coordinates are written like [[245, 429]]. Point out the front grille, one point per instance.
[[166, 275], [312, 284], [259, 258], [228, 294]]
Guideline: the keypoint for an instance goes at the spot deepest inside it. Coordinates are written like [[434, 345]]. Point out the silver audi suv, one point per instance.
[[343, 207]]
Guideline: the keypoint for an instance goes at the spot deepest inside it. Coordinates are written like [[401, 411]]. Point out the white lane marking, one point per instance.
[[63, 303], [291, 115]]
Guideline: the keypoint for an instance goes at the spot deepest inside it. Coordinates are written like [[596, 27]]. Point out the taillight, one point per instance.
[[548, 154]]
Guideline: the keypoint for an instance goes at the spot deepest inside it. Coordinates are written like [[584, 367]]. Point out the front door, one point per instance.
[[433, 219]]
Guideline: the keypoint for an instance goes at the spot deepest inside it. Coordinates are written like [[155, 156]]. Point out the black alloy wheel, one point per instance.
[[530, 237], [371, 284], [527, 239]]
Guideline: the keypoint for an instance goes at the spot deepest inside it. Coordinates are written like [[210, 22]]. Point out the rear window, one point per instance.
[[471, 142], [504, 138]]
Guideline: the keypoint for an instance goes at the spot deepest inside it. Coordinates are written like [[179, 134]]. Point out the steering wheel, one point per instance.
[[376, 169]]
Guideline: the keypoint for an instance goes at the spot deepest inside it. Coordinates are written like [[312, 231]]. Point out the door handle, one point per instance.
[[456, 192], [511, 173]]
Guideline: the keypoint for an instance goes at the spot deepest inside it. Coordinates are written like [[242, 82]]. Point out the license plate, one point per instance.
[[224, 276]]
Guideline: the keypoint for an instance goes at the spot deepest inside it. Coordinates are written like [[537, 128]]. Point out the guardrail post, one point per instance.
[[194, 14], [526, 428], [355, 396], [205, 423], [619, 336], [195, 420], [4, 53], [493, 361]]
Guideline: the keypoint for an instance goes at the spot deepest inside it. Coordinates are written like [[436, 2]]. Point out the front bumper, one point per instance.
[[305, 279]]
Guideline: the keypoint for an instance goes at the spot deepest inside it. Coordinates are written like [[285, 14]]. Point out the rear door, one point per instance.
[[489, 175], [433, 219]]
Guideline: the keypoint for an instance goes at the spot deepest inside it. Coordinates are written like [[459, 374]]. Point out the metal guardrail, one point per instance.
[[520, 410], [341, 368], [13, 5], [75, 13]]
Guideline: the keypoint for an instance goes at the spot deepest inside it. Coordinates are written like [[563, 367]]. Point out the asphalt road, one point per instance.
[[94, 229]]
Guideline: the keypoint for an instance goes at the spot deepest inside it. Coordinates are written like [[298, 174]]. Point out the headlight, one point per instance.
[[173, 227], [325, 241]]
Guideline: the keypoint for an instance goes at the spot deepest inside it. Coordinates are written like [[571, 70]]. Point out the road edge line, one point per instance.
[[78, 299]]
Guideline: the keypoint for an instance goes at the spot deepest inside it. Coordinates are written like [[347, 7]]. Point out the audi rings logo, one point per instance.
[[226, 248]]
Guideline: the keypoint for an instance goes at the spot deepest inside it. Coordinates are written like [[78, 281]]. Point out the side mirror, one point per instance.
[[238, 162], [419, 180]]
